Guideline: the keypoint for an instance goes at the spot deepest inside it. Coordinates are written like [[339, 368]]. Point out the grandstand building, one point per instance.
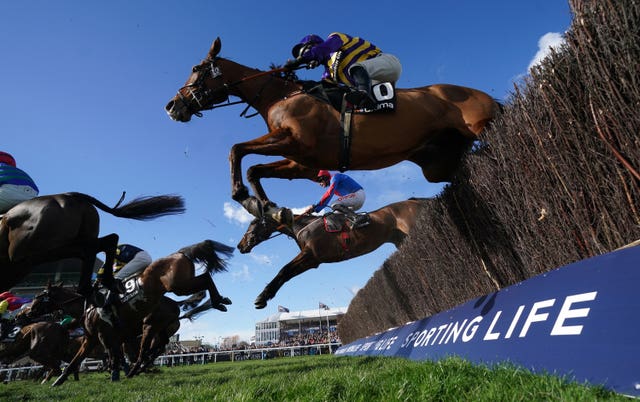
[[285, 325], [66, 271]]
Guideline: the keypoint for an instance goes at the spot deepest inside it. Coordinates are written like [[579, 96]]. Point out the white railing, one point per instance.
[[245, 354], [26, 372]]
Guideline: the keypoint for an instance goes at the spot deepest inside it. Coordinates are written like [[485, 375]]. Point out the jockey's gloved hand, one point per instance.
[[291, 64]]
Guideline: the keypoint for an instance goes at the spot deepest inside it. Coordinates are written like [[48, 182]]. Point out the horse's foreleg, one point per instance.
[[148, 334], [301, 263], [268, 144], [282, 169], [74, 364]]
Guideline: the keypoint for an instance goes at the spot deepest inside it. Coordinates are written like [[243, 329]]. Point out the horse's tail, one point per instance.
[[206, 252], [192, 301], [141, 208], [195, 312]]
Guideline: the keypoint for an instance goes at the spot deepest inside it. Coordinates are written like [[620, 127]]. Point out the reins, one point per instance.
[[226, 87]]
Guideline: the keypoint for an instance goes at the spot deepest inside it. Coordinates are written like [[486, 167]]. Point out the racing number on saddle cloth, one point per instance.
[[11, 336], [385, 96], [131, 289]]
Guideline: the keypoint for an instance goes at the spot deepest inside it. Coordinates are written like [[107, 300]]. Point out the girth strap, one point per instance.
[[345, 135]]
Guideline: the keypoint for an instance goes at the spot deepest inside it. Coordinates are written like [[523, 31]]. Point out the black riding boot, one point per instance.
[[361, 97]]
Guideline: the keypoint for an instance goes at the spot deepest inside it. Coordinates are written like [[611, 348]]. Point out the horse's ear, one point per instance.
[[215, 48]]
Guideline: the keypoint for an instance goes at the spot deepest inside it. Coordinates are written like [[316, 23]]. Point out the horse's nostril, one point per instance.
[[169, 106]]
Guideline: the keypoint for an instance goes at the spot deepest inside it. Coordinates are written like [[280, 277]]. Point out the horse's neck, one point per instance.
[[260, 92], [301, 222]]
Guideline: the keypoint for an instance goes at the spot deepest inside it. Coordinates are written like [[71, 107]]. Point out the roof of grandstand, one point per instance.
[[305, 314]]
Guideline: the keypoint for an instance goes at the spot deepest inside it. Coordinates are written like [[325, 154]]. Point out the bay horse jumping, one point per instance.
[[54, 227], [389, 224], [432, 126], [174, 273]]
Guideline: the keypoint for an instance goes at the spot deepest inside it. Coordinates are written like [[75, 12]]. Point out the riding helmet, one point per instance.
[[305, 43], [324, 174], [8, 159]]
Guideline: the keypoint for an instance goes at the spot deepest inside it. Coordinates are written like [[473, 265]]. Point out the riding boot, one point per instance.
[[356, 220], [361, 97]]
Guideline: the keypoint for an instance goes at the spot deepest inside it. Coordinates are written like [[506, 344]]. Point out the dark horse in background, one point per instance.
[[174, 273], [432, 126], [54, 227], [56, 299], [389, 224], [47, 343]]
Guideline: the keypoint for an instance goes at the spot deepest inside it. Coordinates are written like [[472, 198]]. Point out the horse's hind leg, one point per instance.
[[107, 245], [301, 263]]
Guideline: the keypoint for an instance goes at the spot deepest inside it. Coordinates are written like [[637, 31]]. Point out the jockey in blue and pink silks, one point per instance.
[[15, 184], [350, 195], [348, 60]]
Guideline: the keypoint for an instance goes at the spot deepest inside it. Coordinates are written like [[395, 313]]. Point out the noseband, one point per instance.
[[200, 95]]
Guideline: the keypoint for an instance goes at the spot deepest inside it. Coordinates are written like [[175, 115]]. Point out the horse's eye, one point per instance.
[[195, 69]]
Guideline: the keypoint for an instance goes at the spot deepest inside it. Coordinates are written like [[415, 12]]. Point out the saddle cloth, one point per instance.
[[384, 94]]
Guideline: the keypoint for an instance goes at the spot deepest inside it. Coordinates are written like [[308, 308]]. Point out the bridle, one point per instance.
[[203, 98], [53, 304]]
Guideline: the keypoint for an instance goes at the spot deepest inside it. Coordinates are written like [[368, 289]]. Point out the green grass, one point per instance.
[[317, 378]]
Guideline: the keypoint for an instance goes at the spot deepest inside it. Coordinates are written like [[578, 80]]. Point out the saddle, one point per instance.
[[338, 222], [383, 93]]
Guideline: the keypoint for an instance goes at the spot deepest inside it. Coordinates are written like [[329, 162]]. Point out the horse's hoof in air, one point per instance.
[[220, 307], [260, 304], [225, 300]]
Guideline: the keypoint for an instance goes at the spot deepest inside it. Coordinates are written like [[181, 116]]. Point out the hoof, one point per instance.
[[225, 300], [220, 307], [260, 304]]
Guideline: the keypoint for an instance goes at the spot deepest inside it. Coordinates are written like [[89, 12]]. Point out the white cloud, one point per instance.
[[242, 274], [261, 259], [545, 43], [237, 214]]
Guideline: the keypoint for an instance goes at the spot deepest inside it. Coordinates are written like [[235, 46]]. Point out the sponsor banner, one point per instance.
[[578, 321]]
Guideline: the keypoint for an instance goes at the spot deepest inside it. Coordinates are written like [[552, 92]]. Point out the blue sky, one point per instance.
[[84, 85]]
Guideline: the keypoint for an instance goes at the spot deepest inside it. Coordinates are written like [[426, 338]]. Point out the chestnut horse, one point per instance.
[[54, 227], [174, 273], [432, 126], [389, 224]]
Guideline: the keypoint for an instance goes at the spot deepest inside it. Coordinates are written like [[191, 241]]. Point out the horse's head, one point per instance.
[[52, 298], [259, 230], [204, 88]]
